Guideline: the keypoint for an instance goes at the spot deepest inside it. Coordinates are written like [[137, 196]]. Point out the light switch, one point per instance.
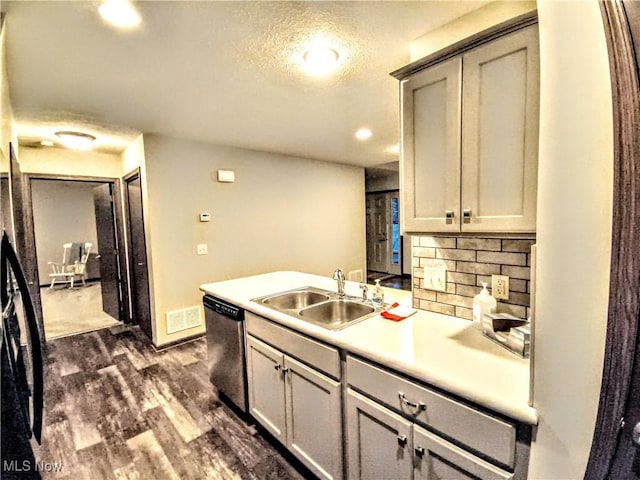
[[435, 278], [202, 249]]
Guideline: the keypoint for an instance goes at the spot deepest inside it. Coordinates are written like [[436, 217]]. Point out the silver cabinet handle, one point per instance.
[[448, 215], [285, 370], [402, 440], [420, 451], [466, 215], [418, 405], [140, 264]]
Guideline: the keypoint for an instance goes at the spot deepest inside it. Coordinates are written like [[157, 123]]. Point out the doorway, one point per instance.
[[140, 298], [75, 223], [384, 242]]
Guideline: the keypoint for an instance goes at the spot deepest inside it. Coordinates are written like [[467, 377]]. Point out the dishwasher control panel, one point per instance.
[[223, 308]]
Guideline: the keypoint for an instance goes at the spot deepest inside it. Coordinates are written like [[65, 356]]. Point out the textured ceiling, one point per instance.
[[220, 72]]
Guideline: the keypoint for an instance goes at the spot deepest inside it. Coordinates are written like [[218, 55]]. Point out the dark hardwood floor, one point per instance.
[[117, 409]]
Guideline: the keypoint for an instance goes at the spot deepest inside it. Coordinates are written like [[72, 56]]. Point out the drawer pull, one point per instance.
[[419, 405], [402, 440], [420, 451]]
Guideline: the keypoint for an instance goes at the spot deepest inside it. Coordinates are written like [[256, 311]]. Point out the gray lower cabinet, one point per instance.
[[383, 445], [298, 405], [379, 442]]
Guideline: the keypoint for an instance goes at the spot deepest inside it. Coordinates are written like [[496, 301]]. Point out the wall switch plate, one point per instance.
[[201, 249], [500, 287], [435, 278]]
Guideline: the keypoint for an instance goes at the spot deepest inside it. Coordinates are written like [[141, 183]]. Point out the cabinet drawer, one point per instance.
[[320, 356], [483, 433], [437, 458]]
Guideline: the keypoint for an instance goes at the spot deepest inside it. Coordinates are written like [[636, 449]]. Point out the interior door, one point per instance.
[[140, 300], [377, 232], [25, 240], [108, 250], [615, 450], [626, 462]]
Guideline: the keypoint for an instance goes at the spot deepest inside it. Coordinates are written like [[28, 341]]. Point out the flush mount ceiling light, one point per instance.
[[363, 134], [320, 58], [46, 143], [120, 13], [76, 140]]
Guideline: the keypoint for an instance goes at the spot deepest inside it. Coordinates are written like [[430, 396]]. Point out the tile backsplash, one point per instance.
[[469, 262]]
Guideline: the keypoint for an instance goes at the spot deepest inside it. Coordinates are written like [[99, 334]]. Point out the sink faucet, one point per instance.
[[363, 287], [339, 276]]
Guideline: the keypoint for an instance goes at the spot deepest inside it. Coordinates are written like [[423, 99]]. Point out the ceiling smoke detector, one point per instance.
[[76, 140]]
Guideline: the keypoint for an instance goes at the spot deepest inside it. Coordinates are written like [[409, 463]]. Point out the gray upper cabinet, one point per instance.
[[470, 140]]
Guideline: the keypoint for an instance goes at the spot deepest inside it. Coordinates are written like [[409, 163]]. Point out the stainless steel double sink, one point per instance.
[[319, 306]]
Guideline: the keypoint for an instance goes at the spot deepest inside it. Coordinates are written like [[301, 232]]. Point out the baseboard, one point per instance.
[[175, 343]]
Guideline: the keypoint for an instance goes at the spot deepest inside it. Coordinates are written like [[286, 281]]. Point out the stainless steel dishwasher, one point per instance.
[[226, 351]]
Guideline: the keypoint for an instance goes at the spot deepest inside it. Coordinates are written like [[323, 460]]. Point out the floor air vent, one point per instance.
[[183, 319]]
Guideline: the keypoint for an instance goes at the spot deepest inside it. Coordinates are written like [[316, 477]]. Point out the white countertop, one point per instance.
[[441, 350]]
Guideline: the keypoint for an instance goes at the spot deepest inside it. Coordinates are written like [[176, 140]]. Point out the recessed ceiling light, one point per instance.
[[363, 134], [120, 13], [76, 140], [46, 143]]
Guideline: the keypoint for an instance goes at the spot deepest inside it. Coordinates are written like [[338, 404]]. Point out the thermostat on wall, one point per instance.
[[205, 217]]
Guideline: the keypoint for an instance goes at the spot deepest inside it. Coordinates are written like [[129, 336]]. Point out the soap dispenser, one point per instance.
[[377, 297], [483, 303]]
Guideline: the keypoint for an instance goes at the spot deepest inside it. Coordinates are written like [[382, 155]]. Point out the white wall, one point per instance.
[[63, 212], [7, 127], [467, 25], [282, 213], [574, 234], [60, 161]]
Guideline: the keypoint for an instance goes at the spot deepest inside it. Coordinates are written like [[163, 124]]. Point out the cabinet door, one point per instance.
[[314, 419], [500, 134], [430, 166], [437, 459], [266, 387], [379, 441]]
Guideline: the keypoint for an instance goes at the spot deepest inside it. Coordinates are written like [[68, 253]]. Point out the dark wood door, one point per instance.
[[626, 462], [108, 250], [5, 203], [25, 239], [615, 451], [141, 313]]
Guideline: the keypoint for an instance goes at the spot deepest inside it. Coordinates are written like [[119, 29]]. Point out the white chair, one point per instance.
[[73, 265]]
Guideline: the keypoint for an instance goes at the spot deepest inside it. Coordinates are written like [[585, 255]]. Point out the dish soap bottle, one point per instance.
[[377, 297], [483, 303]]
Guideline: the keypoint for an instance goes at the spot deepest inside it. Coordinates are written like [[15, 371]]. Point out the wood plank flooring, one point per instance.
[[117, 409]]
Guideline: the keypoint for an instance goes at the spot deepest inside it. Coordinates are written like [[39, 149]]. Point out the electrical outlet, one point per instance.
[[500, 286], [201, 249], [435, 278]]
